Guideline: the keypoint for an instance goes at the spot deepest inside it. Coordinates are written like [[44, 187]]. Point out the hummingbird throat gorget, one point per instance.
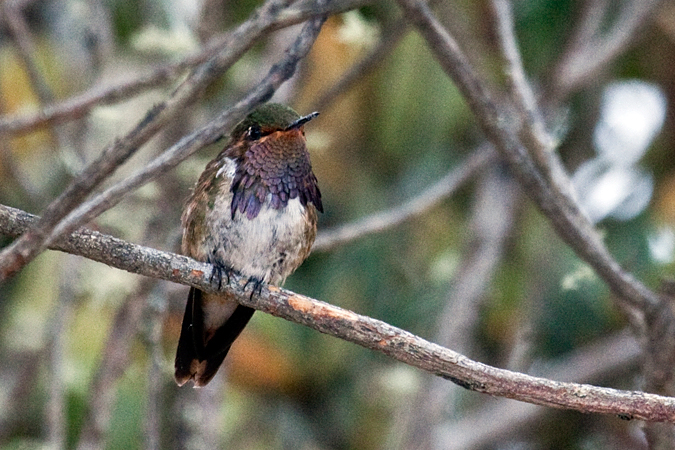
[[276, 165]]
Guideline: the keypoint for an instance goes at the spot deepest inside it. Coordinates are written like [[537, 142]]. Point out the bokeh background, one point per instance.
[[86, 351]]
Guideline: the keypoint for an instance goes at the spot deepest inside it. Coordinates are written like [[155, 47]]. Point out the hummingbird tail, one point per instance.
[[199, 356]]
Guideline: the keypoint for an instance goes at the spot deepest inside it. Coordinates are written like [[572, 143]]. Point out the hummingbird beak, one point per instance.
[[301, 121]]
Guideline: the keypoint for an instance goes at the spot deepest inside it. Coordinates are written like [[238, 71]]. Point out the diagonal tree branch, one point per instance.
[[534, 133], [504, 128], [364, 331], [501, 419], [24, 249], [79, 105], [524, 143], [416, 206], [277, 75], [658, 330], [590, 49]]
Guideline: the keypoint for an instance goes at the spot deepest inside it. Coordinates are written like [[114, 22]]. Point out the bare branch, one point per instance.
[[542, 174], [458, 176], [26, 48], [590, 50], [277, 75], [79, 105], [503, 418], [364, 331], [505, 130], [24, 249], [658, 319], [519, 88]]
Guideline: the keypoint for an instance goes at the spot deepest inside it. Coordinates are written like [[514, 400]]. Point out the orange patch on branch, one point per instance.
[[306, 306]]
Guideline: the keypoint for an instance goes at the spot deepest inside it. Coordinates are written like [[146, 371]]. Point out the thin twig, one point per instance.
[[503, 418], [364, 331], [586, 55], [79, 105], [517, 79], [416, 206], [24, 249], [26, 47], [277, 75], [533, 133], [497, 121], [519, 88]]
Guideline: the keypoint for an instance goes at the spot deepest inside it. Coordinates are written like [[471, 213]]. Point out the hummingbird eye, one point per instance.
[[253, 133]]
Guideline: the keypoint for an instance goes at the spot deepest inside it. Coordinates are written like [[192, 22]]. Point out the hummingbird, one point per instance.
[[253, 211]]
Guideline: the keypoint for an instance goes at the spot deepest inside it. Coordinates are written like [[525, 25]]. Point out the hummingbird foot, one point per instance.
[[256, 287], [217, 272]]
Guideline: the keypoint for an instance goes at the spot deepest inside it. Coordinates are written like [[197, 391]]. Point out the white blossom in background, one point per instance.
[[662, 245], [612, 184], [632, 114]]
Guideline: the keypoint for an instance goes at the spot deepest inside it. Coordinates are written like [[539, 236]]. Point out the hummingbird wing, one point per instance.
[[202, 346]]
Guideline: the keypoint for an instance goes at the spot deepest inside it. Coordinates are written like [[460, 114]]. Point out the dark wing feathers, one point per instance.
[[196, 358]]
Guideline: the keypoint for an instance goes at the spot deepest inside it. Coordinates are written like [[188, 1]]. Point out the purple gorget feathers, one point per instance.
[[277, 166]]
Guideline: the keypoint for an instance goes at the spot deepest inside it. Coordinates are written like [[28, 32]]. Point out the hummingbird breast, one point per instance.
[[268, 246]]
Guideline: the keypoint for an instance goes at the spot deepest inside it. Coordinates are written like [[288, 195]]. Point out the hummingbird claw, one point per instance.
[[217, 273], [257, 286]]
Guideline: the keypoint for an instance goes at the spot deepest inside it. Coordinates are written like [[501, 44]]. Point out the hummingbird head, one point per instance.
[[273, 162], [267, 119]]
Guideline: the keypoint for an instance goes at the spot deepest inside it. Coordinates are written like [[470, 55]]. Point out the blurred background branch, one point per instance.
[[24, 249], [422, 203]]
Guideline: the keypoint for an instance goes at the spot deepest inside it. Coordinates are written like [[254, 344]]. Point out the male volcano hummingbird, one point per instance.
[[253, 211]]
